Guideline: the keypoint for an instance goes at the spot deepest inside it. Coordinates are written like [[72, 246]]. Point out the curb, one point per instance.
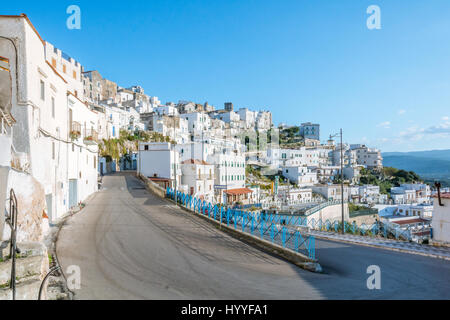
[[431, 255]]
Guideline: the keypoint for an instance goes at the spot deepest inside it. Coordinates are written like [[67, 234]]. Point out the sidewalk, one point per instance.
[[390, 244]]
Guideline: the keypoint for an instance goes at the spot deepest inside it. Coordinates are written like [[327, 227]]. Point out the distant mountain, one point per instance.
[[433, 154], [430, 165]]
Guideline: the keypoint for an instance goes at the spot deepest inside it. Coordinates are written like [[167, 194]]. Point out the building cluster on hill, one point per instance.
[[58, 113]]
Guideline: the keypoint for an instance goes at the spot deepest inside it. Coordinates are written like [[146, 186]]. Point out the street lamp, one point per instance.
[[342, 177], [174, 161]]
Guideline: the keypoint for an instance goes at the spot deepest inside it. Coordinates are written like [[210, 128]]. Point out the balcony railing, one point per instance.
[[75, 130], [90, 136], [205, 177]]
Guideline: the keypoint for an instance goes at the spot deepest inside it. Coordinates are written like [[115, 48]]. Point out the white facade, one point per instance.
[[199, 177], [300, 175], [45, 105], [369, 194], [401, 195], [292, 196], [368, 157], [407, 210], [158, 160], [441, 219], [332, 192]]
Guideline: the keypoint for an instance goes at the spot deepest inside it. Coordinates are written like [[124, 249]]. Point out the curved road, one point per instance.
[[130, 244]]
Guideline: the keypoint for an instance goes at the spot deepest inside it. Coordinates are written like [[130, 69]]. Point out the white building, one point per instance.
[[199, 177], [401, 195], [300, 175], [424, 211], [331, 192], [159, 160], [293, 196], [55, 133], [310, 131], [369, 194], [423, 191], [368, 157]]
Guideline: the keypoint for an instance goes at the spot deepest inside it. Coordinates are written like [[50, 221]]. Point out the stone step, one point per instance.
[[25, 268], [26, 290], [27, 249]]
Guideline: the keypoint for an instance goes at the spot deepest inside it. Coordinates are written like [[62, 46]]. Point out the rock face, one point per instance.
[[31, 205]]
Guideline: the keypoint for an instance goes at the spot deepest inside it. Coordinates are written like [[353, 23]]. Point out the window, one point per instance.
[[146, 147], [42, 90], [53, 107], [53, 62], [74, 74], [64, 68], [53, 150]]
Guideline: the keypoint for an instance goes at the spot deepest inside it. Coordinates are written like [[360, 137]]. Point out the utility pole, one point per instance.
[[342, 182], [174, 162]]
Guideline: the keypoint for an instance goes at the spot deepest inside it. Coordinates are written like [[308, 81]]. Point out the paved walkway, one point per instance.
[[131, 244], [410, 247]]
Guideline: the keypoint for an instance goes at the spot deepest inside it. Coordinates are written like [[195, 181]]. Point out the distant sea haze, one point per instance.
[[431, 165]]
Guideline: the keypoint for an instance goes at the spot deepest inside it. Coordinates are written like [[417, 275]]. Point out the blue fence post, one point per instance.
[[296, 241], [283, 237], [271, 233], [253, 220], [261, 229]]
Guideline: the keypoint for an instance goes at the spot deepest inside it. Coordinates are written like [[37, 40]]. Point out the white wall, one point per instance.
[[441, 220]]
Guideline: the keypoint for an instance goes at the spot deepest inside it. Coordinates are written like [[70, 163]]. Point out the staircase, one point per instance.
[[31, 266]]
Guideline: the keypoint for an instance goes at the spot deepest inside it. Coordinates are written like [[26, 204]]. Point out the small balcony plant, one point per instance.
[[74, 135]]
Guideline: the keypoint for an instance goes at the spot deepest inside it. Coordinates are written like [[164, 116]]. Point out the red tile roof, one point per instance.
[[195, 161], [159, 179], [402, 222], [444, 195], [238, 191]]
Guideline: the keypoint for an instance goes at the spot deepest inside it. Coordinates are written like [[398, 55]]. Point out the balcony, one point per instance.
[[75, 130], [90, 137], [204, 177]]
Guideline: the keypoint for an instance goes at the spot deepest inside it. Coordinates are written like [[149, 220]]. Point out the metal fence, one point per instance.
[[378, 229], [385, 229], [265, 226]]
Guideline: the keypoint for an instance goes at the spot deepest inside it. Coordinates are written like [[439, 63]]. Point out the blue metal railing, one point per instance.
[[383, 229], [269, 227]]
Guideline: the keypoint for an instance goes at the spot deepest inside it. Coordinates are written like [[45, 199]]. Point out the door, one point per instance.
[[49, 202], [73, 193]]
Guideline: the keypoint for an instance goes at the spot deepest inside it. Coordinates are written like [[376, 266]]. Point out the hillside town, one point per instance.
[[64, 116], [65, 128]]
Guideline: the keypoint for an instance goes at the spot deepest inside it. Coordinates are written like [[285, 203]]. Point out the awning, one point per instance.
[[238, 191]]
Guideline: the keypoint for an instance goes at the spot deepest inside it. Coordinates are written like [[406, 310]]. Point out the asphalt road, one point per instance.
[[130, 244]]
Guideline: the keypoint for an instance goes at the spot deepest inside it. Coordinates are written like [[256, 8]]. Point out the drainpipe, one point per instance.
[[438, 187]]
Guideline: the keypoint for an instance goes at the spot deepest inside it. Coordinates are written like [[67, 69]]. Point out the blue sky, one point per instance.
[[303, 60]]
